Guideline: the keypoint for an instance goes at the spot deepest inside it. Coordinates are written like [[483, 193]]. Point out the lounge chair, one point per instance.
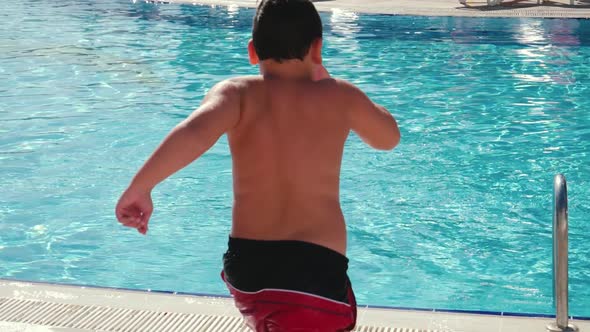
[[541, 1], [497, 2], [490, 2]]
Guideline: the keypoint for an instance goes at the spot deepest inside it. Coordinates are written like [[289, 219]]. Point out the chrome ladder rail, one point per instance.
[[560, 257]]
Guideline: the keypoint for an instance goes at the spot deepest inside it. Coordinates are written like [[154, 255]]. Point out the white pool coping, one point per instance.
[[16, 295], [475, 8]]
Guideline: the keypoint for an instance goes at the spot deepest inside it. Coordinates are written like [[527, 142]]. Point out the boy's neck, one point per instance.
[[288, 69]]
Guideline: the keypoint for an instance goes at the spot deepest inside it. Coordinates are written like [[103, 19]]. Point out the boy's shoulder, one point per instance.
[[243, 81], [257, 79], [232, 86], [241, 84]]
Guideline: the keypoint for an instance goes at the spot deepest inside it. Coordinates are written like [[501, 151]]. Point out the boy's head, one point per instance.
[[285, 30]]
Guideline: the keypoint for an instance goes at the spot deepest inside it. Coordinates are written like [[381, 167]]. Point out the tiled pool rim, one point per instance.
[[456, 311]]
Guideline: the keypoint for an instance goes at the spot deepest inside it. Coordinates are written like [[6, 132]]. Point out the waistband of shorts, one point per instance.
[[281, 246]]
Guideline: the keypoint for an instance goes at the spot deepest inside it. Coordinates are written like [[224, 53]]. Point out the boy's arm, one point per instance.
[[219, 112], [372, 122]]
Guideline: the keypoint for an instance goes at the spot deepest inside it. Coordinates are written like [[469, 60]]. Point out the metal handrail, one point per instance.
[[560, 256]]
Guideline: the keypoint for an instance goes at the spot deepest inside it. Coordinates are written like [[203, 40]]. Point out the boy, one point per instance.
[[286, 264]]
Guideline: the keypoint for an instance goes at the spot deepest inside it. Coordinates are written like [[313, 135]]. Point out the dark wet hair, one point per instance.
[[285, 29]]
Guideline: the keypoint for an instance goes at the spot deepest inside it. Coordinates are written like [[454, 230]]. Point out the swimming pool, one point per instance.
[[457, 217]]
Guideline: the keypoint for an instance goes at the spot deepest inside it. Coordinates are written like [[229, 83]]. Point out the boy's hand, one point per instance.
[[320, 73], [135, 209]]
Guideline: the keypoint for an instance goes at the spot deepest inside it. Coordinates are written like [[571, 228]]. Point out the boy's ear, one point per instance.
[[254, 60], [316, 51]]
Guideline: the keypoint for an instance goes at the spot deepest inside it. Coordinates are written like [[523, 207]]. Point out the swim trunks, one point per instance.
[[284, 286]]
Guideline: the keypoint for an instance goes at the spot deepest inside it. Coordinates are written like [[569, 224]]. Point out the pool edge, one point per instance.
[[452, 9], [223, 296]]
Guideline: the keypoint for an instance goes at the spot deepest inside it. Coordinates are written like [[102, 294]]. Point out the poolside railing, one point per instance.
[[560, 256]]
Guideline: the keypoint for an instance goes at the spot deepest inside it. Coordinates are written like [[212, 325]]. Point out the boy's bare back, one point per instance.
[[287, 150], [286, 138], [287, 147]]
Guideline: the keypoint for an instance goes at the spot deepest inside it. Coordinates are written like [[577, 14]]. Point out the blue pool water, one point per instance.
[[457, 217]]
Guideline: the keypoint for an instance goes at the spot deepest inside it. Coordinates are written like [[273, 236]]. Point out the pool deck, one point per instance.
[[39, 307], [477, 8]]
